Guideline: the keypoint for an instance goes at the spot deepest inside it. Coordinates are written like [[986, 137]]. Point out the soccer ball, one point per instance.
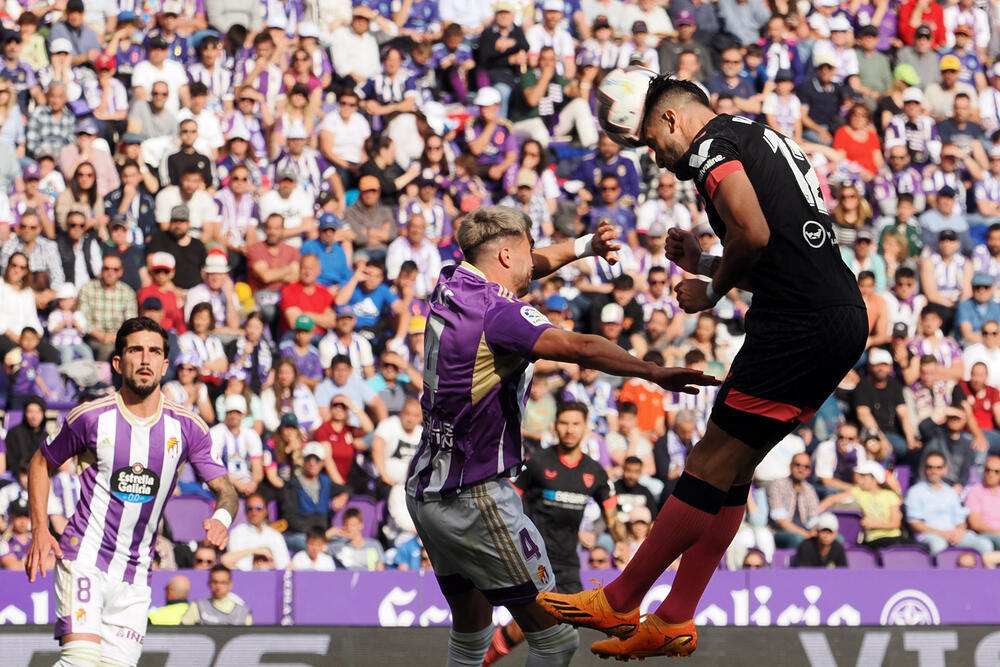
[[620, 101]]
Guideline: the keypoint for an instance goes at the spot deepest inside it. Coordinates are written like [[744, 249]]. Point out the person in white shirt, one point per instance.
[[294, 205], [191, 193], [664, 208], [315, 557], [986, 352], [157, 67], [355, 55], [833, 456], [342, 136], [246, 538], [413, 246], [238, 447], [210, 138], [654, 16], [395, 442], [548, 33]]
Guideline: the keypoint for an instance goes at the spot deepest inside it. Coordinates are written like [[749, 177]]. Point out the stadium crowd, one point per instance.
[[279, 184]]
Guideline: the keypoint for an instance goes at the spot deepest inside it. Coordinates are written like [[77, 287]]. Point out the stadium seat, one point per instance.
[[850, 526], [860, 558], [369, 514], [949, 557], [185, 514], [903, 475], [584, 557], [53, 379], [905, 558], [782, 558], [241, 513], [272, 510]]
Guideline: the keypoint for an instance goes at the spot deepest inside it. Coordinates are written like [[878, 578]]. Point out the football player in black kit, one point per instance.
[[555, 486], [805, 329]]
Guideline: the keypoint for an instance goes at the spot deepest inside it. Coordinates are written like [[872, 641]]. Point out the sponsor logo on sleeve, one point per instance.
[[533, 317]]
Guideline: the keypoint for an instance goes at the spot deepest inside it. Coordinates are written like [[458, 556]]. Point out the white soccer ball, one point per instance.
[[620, 101]]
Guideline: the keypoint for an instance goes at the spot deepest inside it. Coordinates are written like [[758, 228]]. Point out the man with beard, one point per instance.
[[137, 441], [188, 252], [555, 486], [480, 344]]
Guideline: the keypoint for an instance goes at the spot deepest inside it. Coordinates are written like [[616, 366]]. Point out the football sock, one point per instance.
[[552, 647], [467, 649], [79, 654], [688, 513], [700, 562]]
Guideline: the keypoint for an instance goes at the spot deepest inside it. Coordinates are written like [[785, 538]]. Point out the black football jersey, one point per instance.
[[801, 267], [555, 496]]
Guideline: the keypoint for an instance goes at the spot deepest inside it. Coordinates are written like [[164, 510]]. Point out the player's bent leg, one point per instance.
[[549, 643], [80, 652]]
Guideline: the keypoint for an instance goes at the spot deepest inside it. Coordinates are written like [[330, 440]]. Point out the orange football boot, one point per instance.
[[589, 609], [652, 637]]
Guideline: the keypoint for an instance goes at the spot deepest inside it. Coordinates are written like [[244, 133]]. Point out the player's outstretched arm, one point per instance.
[[601, 354], [216, 527], [602, 243], [747, 234], [42, 541]]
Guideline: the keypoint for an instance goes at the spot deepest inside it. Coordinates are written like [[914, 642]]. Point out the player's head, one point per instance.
[[141, 356], [571, 424], [220, 581], [675, 111], [498, 239]]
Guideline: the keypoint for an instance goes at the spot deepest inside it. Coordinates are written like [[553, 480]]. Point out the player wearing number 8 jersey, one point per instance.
[[131, 445], [805, 329], [479, 346]]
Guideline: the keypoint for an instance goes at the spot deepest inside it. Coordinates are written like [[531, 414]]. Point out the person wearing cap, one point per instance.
[[189, 193], [178, 48], [294, 204], [607, 160], [529, 196], [879, 404], [52, 125], [975, 312], [863, 256], [238, 447], [85, 43], [551, 31], [112, 108], [299, 348], [839, 50], [686, 23], [732, 79], [73, 155], [940, 96], [335, 242], [414, 246], [161, 267], [491, 138], [20, 74], [947, 213], [31, 197], [922, 56], [343, 339], [881, 506], [822, 549], [897, 178], [188, 252], [355, 52], [821, 97], [314, 174], [503, 52], [973, 71], [217, 289], [946, 275], [14, 547], [66, 326], [158, 67], [874, 67]]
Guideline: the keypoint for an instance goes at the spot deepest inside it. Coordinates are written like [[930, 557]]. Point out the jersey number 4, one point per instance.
[[799, 165]]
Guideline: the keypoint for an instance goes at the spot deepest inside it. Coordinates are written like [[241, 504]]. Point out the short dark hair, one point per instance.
[[628, 408], [315, 533], [572, 406], [352, 513], [202, 307], [653, 357], [137, 324], [907, 272], [340, 359], [632, 460], [624, 281], [666, 89], [928, 359], [197, 88], [866, 275], [219, 567], [995, 227], [694, 356], [192, 168]]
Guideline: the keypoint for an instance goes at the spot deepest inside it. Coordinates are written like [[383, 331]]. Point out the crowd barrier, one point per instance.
[[797, 597]]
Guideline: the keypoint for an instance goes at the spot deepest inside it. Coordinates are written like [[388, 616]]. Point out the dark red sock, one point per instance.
[[700, 562], [686, 515]]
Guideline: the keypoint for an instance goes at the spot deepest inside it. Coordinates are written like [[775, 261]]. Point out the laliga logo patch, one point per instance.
[[813, 233], [533, 317], [134, 484]]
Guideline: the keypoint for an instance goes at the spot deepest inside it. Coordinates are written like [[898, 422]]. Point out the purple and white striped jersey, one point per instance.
[[130, 469], [477, 353]]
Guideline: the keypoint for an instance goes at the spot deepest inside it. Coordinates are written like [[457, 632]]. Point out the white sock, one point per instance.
[[552, 647], [467, 649], [79, 654]]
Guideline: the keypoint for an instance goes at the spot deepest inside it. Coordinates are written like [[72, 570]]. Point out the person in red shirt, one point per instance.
[[649, 398], [161, 268], [916, 13], [985, 404], [341, 440], [307, 297]]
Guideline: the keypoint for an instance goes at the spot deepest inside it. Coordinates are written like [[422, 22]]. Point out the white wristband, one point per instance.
[[710, 293], [224, 517], [584, 246], [705, 264]]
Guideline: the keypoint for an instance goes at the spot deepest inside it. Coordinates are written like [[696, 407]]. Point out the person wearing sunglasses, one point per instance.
[[248, 538], [983, 502], [342, 137], [935, 513]]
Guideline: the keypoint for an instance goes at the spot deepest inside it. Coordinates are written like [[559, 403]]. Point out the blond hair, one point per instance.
[[487, 223]]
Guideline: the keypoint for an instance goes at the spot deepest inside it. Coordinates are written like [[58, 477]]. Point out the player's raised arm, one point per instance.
[[747, 235], [602, 243], [226, 505], [601, 354], [42, 541]]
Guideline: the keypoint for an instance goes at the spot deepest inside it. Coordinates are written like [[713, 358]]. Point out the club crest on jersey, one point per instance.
[[173, 445], [135, 484], [543, 574], [588, 479], [533, 316], [80, 616]]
